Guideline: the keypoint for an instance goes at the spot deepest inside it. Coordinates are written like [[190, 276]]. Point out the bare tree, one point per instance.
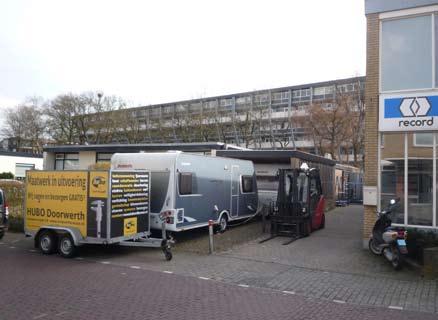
[[98, 118], [25, 125], [61, 123], [329, 124], [130, 128], [357, 127]]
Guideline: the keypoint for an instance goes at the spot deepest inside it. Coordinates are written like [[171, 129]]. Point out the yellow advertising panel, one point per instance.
[[57, 198], [98, 184], [129, 226]]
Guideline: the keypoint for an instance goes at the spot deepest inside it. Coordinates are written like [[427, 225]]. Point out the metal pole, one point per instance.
[[210, 236]]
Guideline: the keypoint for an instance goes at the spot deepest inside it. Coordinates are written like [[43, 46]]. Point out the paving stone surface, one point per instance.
[[330, 265], [52, 288]]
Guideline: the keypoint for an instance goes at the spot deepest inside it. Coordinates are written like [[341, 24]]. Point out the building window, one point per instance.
[[321, 91], [414, 186], [66, 161], [406, 53], [423, 139], [103, 157], [21, 168]]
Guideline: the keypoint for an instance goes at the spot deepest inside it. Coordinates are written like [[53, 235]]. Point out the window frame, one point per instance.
[[427, 12], [250, 178], [415, 144], [64, 158], [406, 173]]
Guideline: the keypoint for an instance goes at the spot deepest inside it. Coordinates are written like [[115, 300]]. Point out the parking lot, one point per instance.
[[330, 265]]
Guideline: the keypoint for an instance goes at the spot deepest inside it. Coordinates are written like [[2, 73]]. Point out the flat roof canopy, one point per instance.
[[377, 6], [112, 148], [274, 156]]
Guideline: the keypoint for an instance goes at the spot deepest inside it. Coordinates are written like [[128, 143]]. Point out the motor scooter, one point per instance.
[[387, 240]]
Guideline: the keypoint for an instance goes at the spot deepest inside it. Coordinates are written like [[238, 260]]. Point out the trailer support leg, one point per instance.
[[163, 230], [210, 236]]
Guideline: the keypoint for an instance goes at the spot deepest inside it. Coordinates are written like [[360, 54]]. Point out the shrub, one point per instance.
[[14, 191], [16, 223], [6, 175], [419, 239]]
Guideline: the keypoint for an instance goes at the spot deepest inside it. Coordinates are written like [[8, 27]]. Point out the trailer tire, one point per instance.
[[223, 223], [47, 242], [66, 246]]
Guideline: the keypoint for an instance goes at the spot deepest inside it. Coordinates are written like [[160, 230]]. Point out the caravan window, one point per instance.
[[185, 183], [247, 185], [159, 186]]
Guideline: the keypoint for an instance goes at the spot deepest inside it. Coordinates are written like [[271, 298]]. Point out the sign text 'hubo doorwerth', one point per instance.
[[408, 113]]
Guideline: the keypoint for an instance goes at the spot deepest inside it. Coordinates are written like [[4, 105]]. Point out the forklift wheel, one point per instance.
[[322, 225], [307, 228]]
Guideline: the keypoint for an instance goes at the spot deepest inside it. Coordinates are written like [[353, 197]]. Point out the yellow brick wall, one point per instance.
[[371, 116]]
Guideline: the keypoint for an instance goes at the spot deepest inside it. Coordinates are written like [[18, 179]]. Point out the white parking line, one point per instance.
[[105, 262], [169, 272], [15, 241], [395, 308], [79, 258], [203, 278], [11, 247], [339, 301], [32, 250], [289, 292], [123, 273], [40, 316], [135, 267], [243, 285], [61, 313]]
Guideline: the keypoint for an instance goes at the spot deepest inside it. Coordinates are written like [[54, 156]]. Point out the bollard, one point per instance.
[[210, 236]]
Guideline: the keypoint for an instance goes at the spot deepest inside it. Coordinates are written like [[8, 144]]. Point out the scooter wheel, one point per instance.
[[374, 248], [397, 262]]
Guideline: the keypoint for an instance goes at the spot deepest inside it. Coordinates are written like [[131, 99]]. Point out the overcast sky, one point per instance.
[[161, 51]]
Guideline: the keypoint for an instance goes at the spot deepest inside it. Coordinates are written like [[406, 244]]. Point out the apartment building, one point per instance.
[[263, 119]]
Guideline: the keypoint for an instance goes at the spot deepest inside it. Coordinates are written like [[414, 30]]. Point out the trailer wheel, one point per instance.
[[66, 246], [223, 223], [47, 242]]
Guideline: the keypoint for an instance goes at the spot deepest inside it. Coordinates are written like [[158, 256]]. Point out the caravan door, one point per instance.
[[235, 175]]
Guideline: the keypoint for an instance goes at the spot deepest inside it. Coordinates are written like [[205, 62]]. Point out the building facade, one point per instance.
[[264, 119], [401, 124], [18, 163]]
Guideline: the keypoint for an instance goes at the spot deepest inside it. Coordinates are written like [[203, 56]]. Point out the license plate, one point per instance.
[[401, 242]]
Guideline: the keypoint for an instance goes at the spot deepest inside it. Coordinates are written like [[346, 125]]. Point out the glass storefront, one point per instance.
[[407, 173]]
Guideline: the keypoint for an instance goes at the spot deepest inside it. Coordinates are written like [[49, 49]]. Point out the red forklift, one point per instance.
[[299, 208]]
